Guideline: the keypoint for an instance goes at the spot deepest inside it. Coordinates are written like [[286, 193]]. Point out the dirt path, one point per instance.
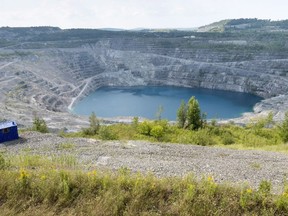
[[224, 165], [80, 93], [6, 65]]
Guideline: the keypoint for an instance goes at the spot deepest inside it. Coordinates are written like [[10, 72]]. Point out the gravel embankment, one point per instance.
[[225, 165]]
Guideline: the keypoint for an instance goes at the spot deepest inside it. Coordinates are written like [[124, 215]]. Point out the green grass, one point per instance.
[[59, 185], [252, 136], [66, 146], [255, 166], [50, 188], [40, 162]]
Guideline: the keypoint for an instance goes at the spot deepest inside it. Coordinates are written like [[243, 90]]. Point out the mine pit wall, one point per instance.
[[264, 86], [220, 81], [238, 84], [57, 77], [137, 68], [126, 68]]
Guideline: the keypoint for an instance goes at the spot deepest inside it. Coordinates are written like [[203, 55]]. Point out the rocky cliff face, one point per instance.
[[49, 75]]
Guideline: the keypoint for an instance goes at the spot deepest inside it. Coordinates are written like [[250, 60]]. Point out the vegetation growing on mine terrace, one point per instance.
[[252, 136], [94, 126], [189, 115], [192, 128], [39, 125]]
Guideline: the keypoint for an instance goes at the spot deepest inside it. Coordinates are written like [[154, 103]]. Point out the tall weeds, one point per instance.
[[65, 192]]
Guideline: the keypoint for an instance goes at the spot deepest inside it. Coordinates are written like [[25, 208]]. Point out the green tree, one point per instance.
[[135, 122], [194, 116], [39, 125], [94, 125], [284, 128], [159, 112], [182, 115]]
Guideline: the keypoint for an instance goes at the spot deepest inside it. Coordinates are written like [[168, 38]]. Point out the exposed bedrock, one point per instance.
[[50, 81]]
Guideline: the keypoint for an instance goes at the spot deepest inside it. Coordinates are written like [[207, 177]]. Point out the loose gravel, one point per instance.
[[225, 165]]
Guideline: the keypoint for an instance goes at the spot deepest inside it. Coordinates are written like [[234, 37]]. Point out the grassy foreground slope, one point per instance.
[[39, 185], [33, 185]]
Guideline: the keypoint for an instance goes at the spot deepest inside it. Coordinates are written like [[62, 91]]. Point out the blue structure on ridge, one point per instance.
[[8, 131]]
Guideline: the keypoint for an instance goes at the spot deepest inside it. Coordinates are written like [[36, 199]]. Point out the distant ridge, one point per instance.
[[214, 27], [112, 29], [227, 25], [245, 25], [163, 29]]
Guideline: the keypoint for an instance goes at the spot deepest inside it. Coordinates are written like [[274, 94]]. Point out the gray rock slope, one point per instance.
[[45, 71]]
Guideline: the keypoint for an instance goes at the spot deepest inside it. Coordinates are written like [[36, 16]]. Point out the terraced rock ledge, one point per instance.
[[47, 70]]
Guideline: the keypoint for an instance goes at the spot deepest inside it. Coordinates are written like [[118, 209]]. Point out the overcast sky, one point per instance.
[[135, 13]]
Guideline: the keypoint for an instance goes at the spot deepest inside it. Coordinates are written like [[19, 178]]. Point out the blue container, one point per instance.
[[8, 131]]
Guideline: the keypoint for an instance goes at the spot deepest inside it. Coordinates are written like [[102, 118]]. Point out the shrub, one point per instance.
[[203, 138], [94, 126], [163, 123], [107, 134], [40, 125], [157, 131], [263, 122], [214, 130], [214, 122], [155, 128], [284, 129], [227, 138], [145, 128]]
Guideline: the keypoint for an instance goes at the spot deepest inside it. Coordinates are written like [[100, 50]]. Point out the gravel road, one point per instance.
[[225, 165]]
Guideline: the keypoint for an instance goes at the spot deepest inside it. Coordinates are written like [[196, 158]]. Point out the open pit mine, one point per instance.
[[45, 71]]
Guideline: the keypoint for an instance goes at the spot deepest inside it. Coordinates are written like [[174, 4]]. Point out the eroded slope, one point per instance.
[[47, 72]]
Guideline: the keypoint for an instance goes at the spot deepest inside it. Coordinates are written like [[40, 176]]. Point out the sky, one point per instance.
[[129, 14]]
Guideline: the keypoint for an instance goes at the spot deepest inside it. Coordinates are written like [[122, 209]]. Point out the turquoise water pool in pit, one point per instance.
[[144, 101]]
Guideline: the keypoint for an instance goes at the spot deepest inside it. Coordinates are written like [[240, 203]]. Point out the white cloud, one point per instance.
[[134, 13]]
